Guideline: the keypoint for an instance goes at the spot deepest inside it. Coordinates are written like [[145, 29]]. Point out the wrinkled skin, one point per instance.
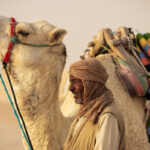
[[77, 89]]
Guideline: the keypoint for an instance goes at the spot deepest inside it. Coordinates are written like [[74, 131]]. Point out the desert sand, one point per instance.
[[10, 132]]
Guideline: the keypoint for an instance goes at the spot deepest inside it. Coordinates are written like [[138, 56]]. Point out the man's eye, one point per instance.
[[77, 80], [74, 80]]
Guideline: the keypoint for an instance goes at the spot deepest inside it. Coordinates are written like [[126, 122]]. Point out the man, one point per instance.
[[98, 124]]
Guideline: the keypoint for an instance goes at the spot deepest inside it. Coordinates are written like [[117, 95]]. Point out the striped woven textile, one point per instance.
[[143, 48], [143, 43]]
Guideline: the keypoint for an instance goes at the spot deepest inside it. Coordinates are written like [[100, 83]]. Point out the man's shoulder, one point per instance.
[[106, 117], [111, 108]]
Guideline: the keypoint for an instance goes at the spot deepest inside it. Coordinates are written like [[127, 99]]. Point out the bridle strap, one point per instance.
[[14, 40], [5, 61], [11, 44]]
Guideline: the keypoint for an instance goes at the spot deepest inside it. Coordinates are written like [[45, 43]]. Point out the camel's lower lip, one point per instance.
[[64, 52]]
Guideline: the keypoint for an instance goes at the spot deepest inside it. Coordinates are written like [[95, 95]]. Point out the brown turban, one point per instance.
[[96, 95], [89, 69]]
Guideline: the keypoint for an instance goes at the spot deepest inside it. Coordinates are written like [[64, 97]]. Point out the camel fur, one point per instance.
[[132, 108], [36, 74]]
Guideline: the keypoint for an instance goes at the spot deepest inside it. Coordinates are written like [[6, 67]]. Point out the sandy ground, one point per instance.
[[10, 132]]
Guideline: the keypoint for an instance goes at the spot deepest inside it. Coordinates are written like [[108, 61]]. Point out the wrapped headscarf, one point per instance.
[[96, 95]]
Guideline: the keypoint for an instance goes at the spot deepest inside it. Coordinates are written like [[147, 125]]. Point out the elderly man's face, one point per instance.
[[77, 89]]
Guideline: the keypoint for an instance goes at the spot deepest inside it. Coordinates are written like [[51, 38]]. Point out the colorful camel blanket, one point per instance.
[[143, 47], [131, 55]]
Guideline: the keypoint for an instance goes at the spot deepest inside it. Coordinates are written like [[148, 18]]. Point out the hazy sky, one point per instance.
[[81, 18]]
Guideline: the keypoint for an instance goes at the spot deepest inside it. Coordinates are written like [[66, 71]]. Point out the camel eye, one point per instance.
[[23, 33]]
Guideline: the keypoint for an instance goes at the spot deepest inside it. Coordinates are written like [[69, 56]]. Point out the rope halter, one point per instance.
[[14, 40]]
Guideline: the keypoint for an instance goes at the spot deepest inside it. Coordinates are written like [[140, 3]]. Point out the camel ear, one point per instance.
[[56, 36]]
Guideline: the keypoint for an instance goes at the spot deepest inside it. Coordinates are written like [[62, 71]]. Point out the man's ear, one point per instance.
[[56, 36]]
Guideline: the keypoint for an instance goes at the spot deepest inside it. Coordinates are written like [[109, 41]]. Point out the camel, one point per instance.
[[132, 108], [36, 74]]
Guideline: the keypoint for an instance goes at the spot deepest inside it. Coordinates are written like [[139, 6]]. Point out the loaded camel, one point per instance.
[[36, 74], [132, 108]]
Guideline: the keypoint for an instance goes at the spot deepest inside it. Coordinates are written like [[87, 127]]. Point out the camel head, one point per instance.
[[36, 33], [33, 57], [35, 71]]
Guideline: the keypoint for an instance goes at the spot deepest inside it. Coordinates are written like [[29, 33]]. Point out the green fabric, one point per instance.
[[146, 35], [148, 123], [142, 80], [139, 36]]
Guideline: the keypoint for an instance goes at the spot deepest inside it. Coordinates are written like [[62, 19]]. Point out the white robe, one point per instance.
[[107, 135]]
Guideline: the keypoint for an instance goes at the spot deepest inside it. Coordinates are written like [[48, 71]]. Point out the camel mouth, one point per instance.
[[64, 51]]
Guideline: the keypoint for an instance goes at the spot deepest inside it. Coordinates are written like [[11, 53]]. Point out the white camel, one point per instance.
[[36, 74]]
